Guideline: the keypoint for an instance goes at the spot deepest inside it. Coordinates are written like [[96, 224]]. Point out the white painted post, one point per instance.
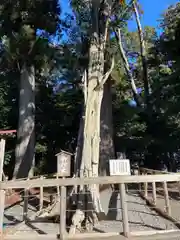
[[124, 210]]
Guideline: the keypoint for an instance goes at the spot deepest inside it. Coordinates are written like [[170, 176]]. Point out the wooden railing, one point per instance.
[[36, 183], [164, 186], [64, 183], [147, 171]]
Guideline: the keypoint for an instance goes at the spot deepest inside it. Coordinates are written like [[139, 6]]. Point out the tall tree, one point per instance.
[[25, 29], [94, 79]]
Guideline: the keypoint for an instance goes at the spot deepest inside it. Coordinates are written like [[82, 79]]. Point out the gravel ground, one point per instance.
[[14, 215], [141, 217], [174, 200]]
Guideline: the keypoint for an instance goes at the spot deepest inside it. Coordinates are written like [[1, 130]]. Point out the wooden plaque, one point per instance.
[[64, 164]]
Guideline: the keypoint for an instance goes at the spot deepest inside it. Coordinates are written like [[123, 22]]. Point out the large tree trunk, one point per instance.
[[106, 131], [93, 95], [26, 135], [91, 144]]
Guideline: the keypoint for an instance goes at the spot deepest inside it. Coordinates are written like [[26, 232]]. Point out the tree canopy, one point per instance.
[[31, 32]]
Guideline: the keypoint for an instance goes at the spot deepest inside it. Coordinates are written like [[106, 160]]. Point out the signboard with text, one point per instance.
[[63, 164], [119, 167]]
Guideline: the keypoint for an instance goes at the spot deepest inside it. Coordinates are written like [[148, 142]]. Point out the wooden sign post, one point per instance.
[[122, 167], [63, 170]]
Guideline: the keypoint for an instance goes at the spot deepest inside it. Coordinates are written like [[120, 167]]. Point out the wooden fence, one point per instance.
[[142, 180], [145, 172], [165, 187]]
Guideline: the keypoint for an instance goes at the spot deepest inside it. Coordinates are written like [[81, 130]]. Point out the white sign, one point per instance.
[[119, 167]]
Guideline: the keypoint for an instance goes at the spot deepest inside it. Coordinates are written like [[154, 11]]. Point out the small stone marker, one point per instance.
[[119, 167], [63, 164]]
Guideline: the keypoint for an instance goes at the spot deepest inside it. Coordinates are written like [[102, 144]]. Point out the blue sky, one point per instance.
[[152, 10]]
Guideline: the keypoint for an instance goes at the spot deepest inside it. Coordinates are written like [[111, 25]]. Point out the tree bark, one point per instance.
[[26, 127], [93, 95], [106, 131], [91, 144]]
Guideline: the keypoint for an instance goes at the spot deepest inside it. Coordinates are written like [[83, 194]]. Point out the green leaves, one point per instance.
[[20, 22]]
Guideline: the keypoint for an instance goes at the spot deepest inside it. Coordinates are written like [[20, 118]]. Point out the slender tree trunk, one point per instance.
[[26, 135]]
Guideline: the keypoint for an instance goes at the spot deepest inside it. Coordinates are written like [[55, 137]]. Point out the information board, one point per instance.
[[119, 167]]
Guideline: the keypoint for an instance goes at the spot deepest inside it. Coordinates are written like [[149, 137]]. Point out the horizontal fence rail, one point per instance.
[[88, 181]]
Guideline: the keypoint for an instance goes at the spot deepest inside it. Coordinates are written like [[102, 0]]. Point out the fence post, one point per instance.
[[124, 210], [58, 192], [154, 192], [179, 188], [2, 192], [2, 204], [166, 197], [2, 152], [140, 173], [41, 196], [25, 207], [145, 188], [62, 226]]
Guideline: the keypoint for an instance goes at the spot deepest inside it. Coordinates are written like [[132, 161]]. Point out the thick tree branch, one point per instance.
[[126, 65], [143, 52], [105, 76], [106, 33]]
